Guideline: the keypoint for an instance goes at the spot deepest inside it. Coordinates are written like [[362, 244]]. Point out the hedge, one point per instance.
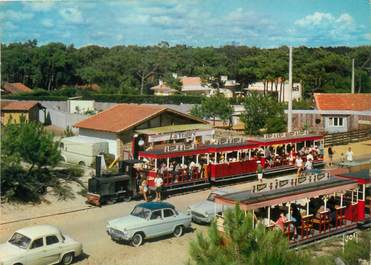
[[119, 98]]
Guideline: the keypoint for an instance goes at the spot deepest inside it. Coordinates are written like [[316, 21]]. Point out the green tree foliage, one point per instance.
[[28, 157], [128, 68], [241, 244], [216, 106], [263, 113]]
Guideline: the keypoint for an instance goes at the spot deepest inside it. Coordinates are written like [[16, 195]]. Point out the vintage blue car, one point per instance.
[[149, 220]]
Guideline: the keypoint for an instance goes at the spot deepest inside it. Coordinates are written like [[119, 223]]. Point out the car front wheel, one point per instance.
[[178, 231], [137, 240], [67, 259]]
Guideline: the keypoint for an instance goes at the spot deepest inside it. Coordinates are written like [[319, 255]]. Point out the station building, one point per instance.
[[127, 126]]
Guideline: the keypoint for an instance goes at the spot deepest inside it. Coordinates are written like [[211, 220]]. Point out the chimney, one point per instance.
[[98, 166]]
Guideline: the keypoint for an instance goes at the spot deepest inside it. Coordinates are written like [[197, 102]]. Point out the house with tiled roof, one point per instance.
[[336, 112], [343, 112], [194, 85], [123, 125], [162, 89], [15, 110], [15, 88]]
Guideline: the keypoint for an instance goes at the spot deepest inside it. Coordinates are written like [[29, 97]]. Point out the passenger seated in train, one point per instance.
[[280, 223]]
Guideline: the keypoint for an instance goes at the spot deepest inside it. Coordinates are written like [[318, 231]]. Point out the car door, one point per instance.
[[53, 249], [154, 226], [170, 220], [36, 252]]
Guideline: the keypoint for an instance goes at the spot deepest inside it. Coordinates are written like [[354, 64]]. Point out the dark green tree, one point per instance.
[[216, 106], [263, 114], [241, 244], [28, 160]]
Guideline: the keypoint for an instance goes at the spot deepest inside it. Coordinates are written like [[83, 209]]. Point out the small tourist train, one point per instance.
[[187, 161], [183, 166], [315, 206]]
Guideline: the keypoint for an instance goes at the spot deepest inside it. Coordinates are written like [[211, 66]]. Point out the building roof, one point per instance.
[[121, 117], [163, 88], [343, 101], [18, 105], [193, 83], [16, 88]]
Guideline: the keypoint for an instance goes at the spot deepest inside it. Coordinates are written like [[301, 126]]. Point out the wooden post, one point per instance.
[[341, 200], [307, 206], [196, 159], [216, 157], [238, 155], [208, 158], [269, 214], [156, 164], [325, 203], [249, 154], [168, 162], [289, 213], [352, 196], [253, 219], [364, 192], [182, 160]]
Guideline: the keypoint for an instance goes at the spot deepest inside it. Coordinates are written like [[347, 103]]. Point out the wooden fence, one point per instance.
[[347, 137]]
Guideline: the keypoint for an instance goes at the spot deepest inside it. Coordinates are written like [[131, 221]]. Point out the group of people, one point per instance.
[[347, 157], [144, 188]]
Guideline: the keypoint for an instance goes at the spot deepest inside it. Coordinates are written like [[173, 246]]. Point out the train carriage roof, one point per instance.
[[201, 149], [249, 200], [362, 177], [286, 140]]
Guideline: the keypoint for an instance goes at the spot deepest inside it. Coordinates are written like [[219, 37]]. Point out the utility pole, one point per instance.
[[289, 114], [352, 76]]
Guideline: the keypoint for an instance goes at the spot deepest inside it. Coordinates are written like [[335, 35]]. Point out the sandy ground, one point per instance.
[[88, 225], [361, 150]]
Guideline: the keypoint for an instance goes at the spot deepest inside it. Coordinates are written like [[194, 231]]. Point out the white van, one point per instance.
[[82, 150]]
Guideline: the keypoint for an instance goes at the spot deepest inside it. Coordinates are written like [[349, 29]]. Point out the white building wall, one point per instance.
[[331, 128], [110, 138]]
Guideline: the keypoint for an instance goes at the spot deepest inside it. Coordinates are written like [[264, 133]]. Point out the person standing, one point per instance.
[[299, 165], [330, 152], [349, 155], [259, 171], [158, 184], [144, 187], [309, 164]]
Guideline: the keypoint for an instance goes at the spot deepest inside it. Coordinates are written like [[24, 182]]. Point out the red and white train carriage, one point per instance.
[[186, 165]]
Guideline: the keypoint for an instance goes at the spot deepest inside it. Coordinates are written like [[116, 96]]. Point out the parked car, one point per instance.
[[148, 220], [205, 212], [39, 245]]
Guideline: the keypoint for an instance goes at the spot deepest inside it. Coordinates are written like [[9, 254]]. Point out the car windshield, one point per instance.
[[20, 240], [141, 212], [211, 197]]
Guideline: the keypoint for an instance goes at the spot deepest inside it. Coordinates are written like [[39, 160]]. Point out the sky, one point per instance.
[[260, 23]]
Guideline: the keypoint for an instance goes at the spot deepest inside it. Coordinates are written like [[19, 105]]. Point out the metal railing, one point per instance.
[[347, 137]]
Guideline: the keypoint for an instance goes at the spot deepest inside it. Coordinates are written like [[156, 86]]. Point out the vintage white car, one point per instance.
[[148, 220], [205, 212], [39, 245]]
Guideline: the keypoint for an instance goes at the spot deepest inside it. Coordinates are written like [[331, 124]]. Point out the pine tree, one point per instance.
[[241, 244]]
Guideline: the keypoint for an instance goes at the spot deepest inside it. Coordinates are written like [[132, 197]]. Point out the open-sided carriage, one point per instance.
[[309, 211], [187, 165]]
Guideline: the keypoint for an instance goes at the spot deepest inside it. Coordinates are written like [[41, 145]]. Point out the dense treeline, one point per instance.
[[132, 69]]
